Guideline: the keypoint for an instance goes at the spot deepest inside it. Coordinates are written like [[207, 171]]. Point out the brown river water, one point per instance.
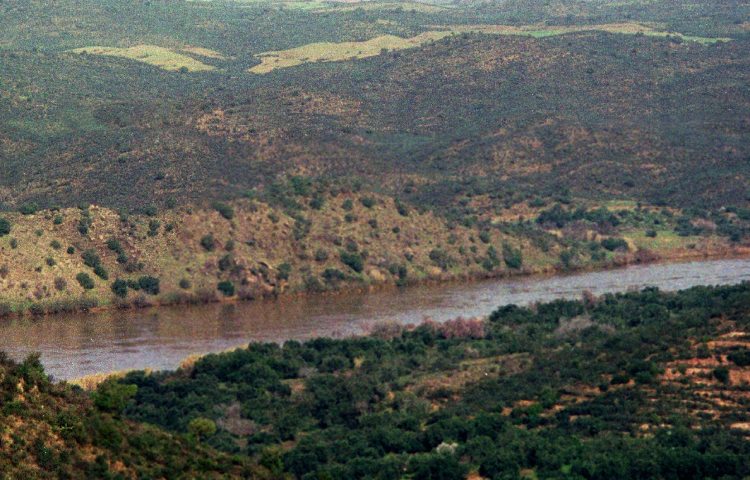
[[86, 343]]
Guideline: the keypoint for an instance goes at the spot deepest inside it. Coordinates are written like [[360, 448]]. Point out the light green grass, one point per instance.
[[164, 58], [334, 52]]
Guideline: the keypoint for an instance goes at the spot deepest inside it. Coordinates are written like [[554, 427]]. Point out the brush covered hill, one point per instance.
[[57, 431], [125, 104], [304, 238], [638, 385]]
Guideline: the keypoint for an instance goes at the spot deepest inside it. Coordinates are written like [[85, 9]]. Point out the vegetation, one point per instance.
[[519, 392]]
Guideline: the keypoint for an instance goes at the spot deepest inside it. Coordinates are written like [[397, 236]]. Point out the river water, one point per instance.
[[82, 344]]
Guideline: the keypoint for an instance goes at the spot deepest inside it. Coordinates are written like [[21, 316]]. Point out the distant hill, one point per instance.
[[628, 101]]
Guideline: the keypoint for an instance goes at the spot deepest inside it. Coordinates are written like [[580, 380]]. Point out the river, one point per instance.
[[86, 343]]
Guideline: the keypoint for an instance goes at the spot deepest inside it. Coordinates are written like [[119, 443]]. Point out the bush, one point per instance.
[[721, 374], [185, 284], [352, 260], [51, 262], [85, 281], [613, 244], [91, 258], [442, 259], [367, 202], [4, 227], [512, 256], [149, 284], [741, 358], [284, 271], [226, 287], [58, 220], [120, 288], [224, 210], [208, 243], [28, 208], [321, 255], [56, 245], [101, 272]]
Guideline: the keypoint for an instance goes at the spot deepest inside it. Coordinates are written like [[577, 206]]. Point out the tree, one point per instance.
[[112, 396], [201, 428]]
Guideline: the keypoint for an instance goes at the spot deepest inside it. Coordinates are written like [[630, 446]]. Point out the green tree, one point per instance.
[[201, 428]]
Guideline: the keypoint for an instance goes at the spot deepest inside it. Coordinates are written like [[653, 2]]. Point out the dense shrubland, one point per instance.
[[570, 389]]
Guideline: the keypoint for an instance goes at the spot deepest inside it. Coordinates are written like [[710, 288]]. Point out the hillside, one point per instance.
[[56, 431], [640, 101], [637, 385], [303, 238]]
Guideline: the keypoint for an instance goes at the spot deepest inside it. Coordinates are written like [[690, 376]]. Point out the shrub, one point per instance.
[[613, 244], [226, 287], [347, 205], [13, 243], [333, 275], [55, 244], [512, 256], [401, 208], [51, 262], [85, 281], [321, 255], [651, 233], [367, 202], [721, 374], [226, 262], [60, 284], [28, 208], [441, 258], [741, 358], [352, 260], [153, 228], [120, 288], [71, 250], [149, 284], [91, 258], [4, 227], [58, 220], [284, 271], [185, 284], [208, 243], [224, 210], [101, 272]]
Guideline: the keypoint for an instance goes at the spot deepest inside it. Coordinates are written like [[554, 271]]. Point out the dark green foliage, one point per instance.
[[225, 210], [614, 244], [85, 281], [721, 374], [367, 202], [352, 260], [149, 284], [208, 243], [111, 396], [226, 287], [740, 357], [512, 256], [4, 227], [442, 259], [285, 270], [185, 284], [91, 258], [28, 208], [101, 272], [366, 410], [120, 288]]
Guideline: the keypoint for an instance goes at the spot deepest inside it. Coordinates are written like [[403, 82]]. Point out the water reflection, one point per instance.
[[82, 344]]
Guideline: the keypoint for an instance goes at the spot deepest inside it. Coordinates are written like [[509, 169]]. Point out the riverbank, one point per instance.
[[94, 259], [75, 345]]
